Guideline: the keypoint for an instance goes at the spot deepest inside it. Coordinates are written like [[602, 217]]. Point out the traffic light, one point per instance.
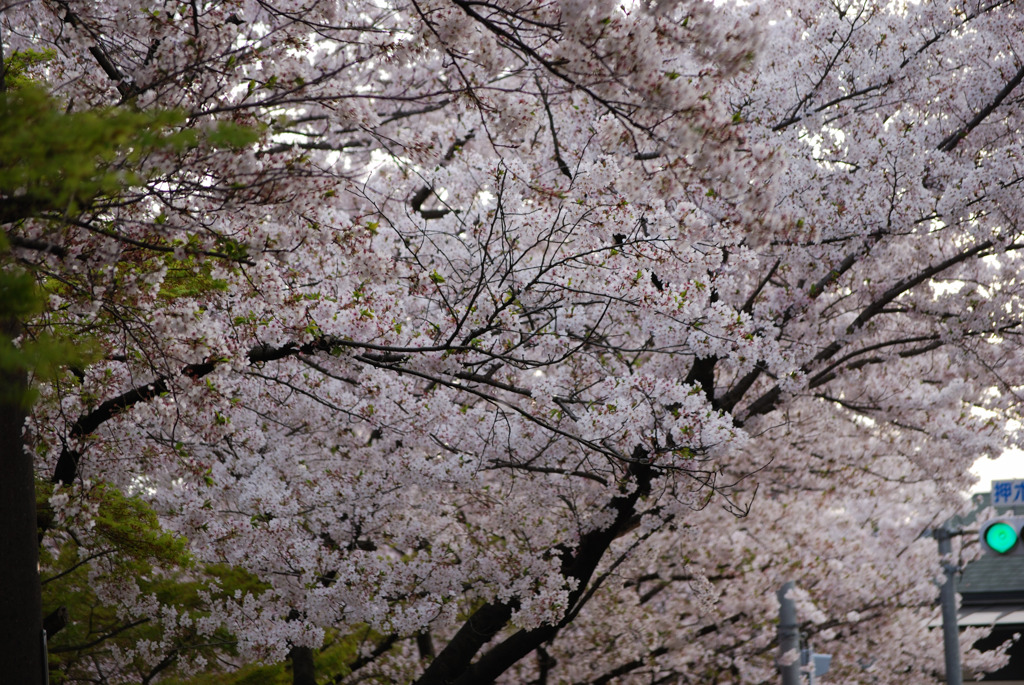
[[1002, 535]]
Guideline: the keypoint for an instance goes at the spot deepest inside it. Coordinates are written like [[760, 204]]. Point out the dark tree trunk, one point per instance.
[[303, 669], [21, 613]]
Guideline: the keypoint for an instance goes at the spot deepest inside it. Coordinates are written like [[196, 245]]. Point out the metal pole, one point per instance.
[[950, 629], [789, 636]]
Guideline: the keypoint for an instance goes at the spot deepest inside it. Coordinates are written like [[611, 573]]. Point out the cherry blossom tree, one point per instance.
[[530, 342]]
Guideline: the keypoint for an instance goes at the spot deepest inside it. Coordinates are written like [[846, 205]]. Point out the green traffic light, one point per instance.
[[1001, 537]]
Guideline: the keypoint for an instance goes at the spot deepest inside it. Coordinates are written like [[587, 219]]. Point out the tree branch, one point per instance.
[[380, 649], [562, 166], [766, 402], [453, 665], [624, 668], [98, 640], [55, 621], [954, 139]]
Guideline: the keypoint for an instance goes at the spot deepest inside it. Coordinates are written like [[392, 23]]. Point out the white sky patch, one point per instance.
[[1009, 466]]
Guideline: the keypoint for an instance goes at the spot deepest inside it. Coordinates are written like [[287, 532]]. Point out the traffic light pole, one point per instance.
[[950, 629], [789, 637]]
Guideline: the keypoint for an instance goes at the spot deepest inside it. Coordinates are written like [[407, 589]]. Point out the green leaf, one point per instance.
[[233, 136]]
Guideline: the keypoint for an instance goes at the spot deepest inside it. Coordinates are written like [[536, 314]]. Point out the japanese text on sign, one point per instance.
[[1007, 492]]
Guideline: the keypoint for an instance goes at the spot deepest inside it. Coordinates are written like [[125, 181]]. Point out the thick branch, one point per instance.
[[625, 668], [703, 372], [453, 665], [454, 659], [731, 398], [33, 244], [552, 67], [55, 621], [164, 664], [14, 209], [825, 375], [125, 87], [354, 666], [798, 116], [98, 640], [766, 402], [421, 195], [954, 139], [67, 464], [562, 166]]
